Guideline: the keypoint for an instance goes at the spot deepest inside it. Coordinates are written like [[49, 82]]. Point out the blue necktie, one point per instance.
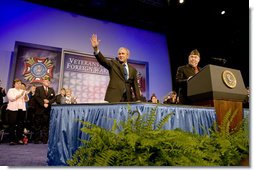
[[125, 72]]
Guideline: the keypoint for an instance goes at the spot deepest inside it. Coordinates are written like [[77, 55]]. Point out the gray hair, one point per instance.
[[127, 50]]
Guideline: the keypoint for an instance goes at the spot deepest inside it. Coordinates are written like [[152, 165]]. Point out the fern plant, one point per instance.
[[139, 142]]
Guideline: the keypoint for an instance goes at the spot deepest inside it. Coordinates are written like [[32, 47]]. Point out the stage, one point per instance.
[[65, 133]]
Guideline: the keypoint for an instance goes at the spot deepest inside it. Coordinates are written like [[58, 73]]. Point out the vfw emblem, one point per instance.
[[37, 68]]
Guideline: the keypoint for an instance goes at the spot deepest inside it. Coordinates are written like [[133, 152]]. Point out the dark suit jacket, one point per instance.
[[59, 99], [183, 73], [31, 102], [39, 97], [117, 84], [2, 94]]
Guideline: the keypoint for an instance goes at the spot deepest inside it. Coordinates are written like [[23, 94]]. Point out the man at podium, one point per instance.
[[184, 73]]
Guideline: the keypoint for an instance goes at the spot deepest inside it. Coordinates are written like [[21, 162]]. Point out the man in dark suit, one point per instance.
[[184, 73], [44, 97], [31, 108], [123, 77]]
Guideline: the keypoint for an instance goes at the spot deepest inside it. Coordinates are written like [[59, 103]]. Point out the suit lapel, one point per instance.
[[46, 93], [119, 68], [122, 70], [130, 71], [49, 92]]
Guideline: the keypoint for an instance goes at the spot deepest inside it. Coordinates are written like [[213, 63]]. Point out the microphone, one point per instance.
[[223, 60]]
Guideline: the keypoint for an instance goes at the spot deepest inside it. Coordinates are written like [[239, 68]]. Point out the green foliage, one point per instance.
[[139, 142]]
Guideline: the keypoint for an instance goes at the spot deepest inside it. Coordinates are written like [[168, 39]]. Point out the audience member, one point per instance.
[[31, 108], [44, 97], [69, 98], [2, 94], [153, 99], [23, 124], [60, 98], [171, 98], [23, 87], [16, 110]]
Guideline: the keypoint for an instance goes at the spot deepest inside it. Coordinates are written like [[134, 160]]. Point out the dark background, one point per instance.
[[195, 24]]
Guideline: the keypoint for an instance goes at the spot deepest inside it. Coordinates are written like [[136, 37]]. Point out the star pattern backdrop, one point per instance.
[[86, 78]]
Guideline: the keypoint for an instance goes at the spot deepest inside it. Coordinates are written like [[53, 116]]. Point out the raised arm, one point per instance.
[[95, 43], [100, 58]]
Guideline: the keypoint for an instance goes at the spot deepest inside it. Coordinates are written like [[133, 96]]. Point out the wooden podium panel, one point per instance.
[[222, 107], [219, 87]]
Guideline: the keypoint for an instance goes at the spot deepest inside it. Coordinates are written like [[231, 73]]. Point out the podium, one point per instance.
[[219, 87]]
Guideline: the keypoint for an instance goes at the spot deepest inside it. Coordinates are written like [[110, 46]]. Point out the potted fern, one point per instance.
[[138, 142]]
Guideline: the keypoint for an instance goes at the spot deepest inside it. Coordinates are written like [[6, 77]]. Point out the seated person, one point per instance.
[[153, 99], [69, 98], [171, 98], [60, 98]]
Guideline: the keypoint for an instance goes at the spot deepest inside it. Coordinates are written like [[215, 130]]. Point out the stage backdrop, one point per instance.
[[85, 76], [78, 71], [28, 22]]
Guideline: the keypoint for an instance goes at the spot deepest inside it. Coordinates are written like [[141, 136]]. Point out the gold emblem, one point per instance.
[[36, 68], [229, 79]]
